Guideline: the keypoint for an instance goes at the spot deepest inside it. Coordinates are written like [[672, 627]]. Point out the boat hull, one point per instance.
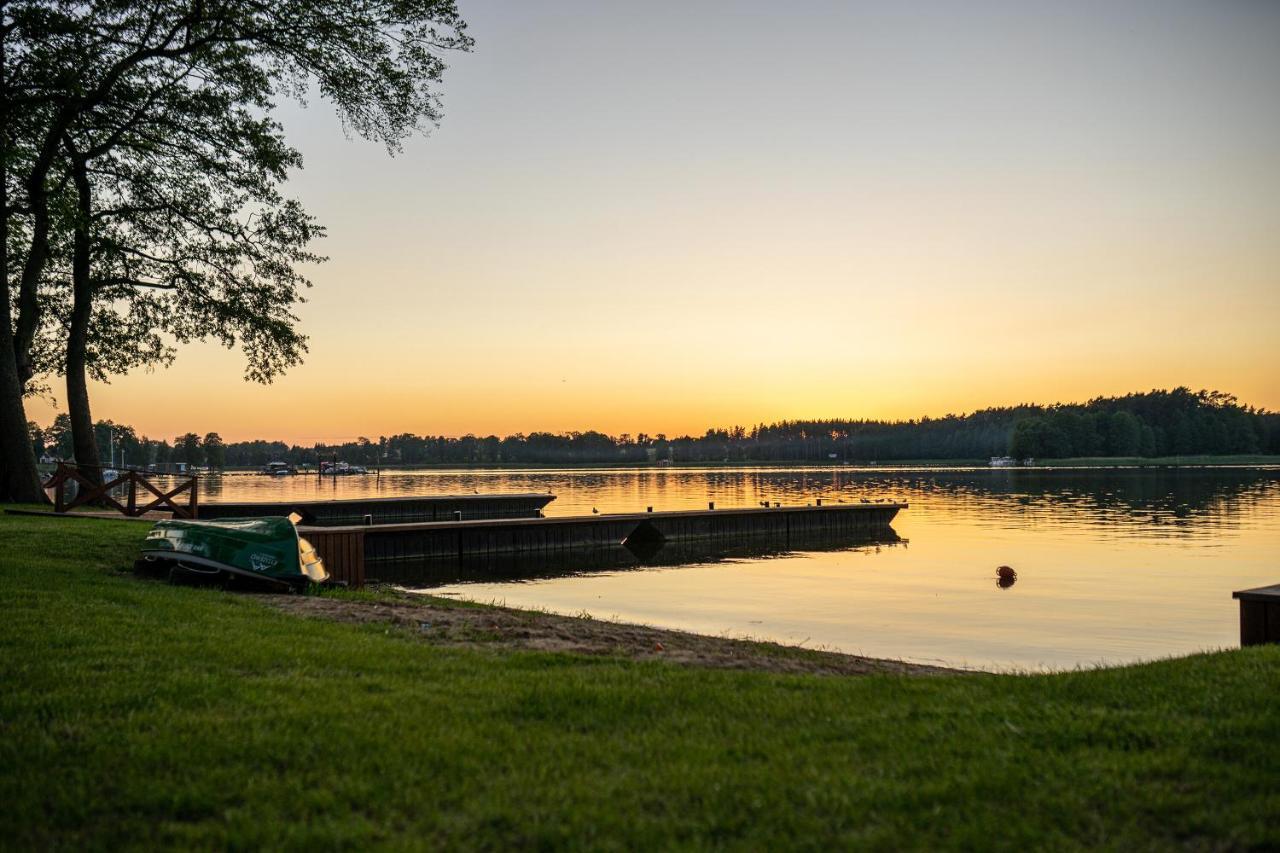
[[265, 549]]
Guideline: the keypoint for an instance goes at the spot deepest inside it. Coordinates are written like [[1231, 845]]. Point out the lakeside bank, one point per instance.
[[139, 714], [1196, 461]]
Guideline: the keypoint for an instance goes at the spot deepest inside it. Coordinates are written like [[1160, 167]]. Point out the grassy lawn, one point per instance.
[[137, 714]]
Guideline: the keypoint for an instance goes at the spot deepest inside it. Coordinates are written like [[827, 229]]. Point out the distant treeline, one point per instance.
[[1158, 423]]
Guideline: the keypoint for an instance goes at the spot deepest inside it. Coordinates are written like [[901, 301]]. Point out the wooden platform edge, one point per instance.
[[1259, 615], [342, 552], [508, 496], [548, 521]]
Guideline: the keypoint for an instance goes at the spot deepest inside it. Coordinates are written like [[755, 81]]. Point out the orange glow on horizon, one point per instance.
[[908, 213]]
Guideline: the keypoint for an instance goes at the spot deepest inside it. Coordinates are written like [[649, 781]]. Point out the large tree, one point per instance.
[[178, 217], [97, 65]]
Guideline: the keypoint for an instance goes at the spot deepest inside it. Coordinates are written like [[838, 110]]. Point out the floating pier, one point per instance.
[[381, 511], [532, 565], [441, 551], [1259, 615]]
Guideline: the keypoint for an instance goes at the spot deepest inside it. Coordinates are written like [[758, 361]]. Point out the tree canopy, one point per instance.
[[1156, 423], [142, 171]]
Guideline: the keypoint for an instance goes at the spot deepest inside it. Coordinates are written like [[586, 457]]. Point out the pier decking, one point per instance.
[[397, 510], [352, 553]]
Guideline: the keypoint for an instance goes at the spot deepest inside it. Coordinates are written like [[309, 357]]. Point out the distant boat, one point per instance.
[[277, 469], [1003, 462], [341, 469]]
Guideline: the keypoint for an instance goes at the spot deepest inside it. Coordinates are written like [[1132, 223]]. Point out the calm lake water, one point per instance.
[[1113, 565]]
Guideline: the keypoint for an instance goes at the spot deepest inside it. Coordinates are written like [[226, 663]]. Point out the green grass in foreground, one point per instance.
[[137, 714]]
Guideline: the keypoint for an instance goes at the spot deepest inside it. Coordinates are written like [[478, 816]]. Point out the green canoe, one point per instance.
[[266, 549]]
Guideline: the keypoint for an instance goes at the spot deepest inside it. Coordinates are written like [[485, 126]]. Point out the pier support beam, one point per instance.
[[342, 551], [1259, 615]]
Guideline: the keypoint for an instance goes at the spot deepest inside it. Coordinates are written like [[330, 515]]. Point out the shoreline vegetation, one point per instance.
[[1192, 461], [1147, 428], [1198, 461], [137, 713]]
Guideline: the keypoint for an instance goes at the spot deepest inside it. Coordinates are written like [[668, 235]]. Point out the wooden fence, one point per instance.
[[89, 492]]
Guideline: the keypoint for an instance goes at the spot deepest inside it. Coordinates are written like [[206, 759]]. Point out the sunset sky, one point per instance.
[[661, 217]]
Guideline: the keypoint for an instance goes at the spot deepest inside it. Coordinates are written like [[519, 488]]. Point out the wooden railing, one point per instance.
[[99, 493]]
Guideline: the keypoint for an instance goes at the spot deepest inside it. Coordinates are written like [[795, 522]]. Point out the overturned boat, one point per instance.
[[266, 550]]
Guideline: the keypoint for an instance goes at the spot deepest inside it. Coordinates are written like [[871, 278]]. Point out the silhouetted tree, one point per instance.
[[187, 449], [85, 79], [37, 438], [215, 451]]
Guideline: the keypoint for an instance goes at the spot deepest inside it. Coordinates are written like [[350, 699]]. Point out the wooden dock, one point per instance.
[[397, 510], [605, 557], [353, 553], [1259, 615]]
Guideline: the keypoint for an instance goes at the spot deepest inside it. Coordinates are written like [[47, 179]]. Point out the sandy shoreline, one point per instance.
[[447, 623]]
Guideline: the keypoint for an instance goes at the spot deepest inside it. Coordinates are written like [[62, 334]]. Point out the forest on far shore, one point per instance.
[[1180, 422]]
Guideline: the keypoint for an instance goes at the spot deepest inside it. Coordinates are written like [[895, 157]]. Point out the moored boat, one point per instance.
[[341, 469], [268, 550]]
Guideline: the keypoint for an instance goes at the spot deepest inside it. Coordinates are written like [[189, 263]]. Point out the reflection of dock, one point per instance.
[[531, 565], [400, 510], [387, 550]]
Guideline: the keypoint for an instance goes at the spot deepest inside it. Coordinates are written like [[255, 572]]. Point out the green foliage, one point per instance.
[[1159, 423], [186, 448], [37, 438], [142, 715], [215, 452], [1028, 438], [57, 438], [142, 168], [1116, 427], [118, 444]]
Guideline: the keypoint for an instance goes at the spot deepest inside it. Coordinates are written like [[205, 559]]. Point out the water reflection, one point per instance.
[[648, 553], [1184, 500], [1112, 565]]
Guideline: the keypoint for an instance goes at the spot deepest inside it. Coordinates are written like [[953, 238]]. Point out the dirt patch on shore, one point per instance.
[[453, 624]]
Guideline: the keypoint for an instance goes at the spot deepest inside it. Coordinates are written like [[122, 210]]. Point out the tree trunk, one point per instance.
[[83, 440], [23, 337], [19, 479]]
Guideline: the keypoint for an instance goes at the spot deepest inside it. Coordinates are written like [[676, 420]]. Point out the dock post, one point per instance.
[[711, 504], [1259, 615], [342, 551]]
